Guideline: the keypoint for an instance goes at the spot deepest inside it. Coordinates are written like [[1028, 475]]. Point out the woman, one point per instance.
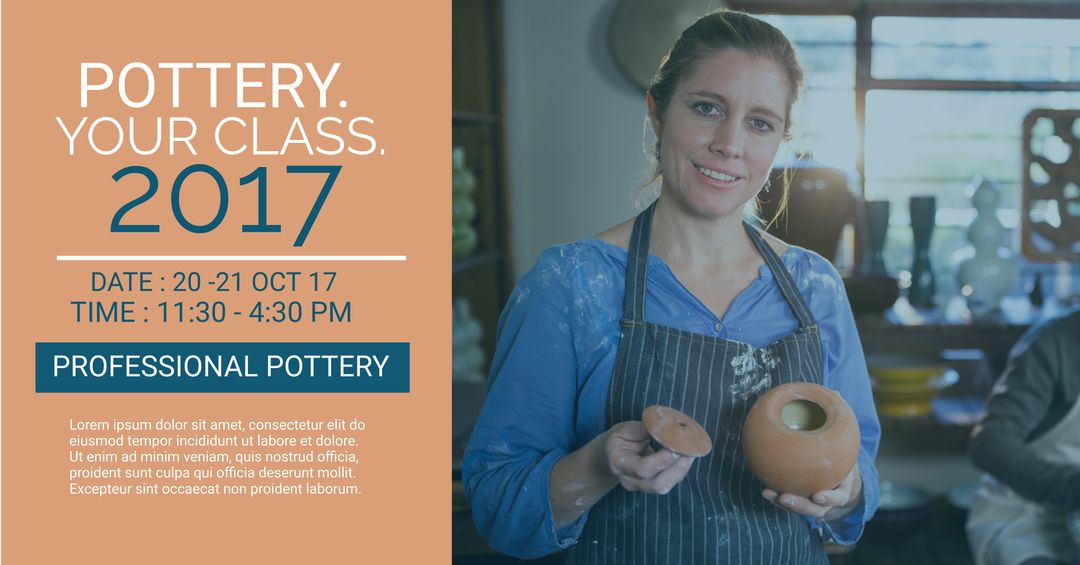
[[684, 306]]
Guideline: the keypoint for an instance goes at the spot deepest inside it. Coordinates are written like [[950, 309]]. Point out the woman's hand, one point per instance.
[[826, 505], [637, 466], [620, 456]]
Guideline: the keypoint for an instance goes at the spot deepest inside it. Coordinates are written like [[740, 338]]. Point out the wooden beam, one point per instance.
[[987, 85], [1052, 9]]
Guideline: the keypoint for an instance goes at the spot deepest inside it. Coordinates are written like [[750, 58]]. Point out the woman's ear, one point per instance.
[[654, 118]]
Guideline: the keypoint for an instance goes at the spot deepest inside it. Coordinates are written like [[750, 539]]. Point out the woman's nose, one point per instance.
[[727, 140]]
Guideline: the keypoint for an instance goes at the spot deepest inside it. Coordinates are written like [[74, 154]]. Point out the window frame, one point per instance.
[[864, 12]]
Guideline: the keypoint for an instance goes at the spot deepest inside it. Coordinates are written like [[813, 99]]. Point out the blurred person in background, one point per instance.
[[1028, 443]]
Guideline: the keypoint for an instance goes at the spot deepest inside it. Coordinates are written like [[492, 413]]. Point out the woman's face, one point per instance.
[[720, 132]]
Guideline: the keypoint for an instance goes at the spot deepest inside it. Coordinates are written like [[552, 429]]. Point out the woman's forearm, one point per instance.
[[1013, 462], [579, 480]]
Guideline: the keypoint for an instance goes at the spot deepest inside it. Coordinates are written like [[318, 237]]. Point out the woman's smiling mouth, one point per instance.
[[716, 175]]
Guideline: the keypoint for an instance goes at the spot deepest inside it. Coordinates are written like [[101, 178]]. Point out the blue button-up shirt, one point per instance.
[[553, 362]]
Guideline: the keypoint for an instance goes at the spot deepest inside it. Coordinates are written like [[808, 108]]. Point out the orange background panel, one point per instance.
[[395, 69]]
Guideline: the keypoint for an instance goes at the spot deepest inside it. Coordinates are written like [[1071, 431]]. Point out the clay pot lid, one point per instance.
[[676, 431]]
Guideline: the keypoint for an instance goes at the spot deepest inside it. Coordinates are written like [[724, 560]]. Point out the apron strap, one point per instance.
[[637, 266], [783, 278]]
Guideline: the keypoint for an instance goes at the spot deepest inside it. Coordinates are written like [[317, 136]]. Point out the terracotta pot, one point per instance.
[[800, 438], [676, 431]]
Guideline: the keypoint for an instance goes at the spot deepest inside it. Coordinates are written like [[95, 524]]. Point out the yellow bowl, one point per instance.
[[910, 399], [905, 370]]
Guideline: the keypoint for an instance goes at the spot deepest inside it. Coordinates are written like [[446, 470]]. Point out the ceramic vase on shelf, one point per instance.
[[877, 226], [988, 275], [923, 214], [468, 356], [464, 210], [871, 291]]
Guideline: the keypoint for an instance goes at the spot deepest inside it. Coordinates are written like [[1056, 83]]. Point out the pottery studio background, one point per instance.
[[970, 107]]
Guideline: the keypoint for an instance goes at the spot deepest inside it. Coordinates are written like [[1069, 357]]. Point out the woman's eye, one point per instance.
[[706, 108], [763, 125]]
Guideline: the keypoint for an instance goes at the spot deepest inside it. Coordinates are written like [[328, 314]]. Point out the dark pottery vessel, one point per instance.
[[923, 217], [819, 205], [871, 294]]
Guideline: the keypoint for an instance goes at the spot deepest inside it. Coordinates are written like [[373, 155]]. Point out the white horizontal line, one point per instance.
[[230, 257]]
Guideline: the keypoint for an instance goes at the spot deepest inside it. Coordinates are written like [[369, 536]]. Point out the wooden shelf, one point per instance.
[[880, 335], [461, 118], [484, 278], [476, 261]]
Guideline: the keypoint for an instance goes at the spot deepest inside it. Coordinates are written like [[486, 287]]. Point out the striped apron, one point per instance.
[[716, 514]]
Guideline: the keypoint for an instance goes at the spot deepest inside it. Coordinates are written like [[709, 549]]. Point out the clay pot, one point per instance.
[[800, 438], [676, 431]]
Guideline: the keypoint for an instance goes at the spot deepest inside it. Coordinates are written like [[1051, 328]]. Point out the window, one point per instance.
[[824, 116], [986, 49], [940, 91]]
